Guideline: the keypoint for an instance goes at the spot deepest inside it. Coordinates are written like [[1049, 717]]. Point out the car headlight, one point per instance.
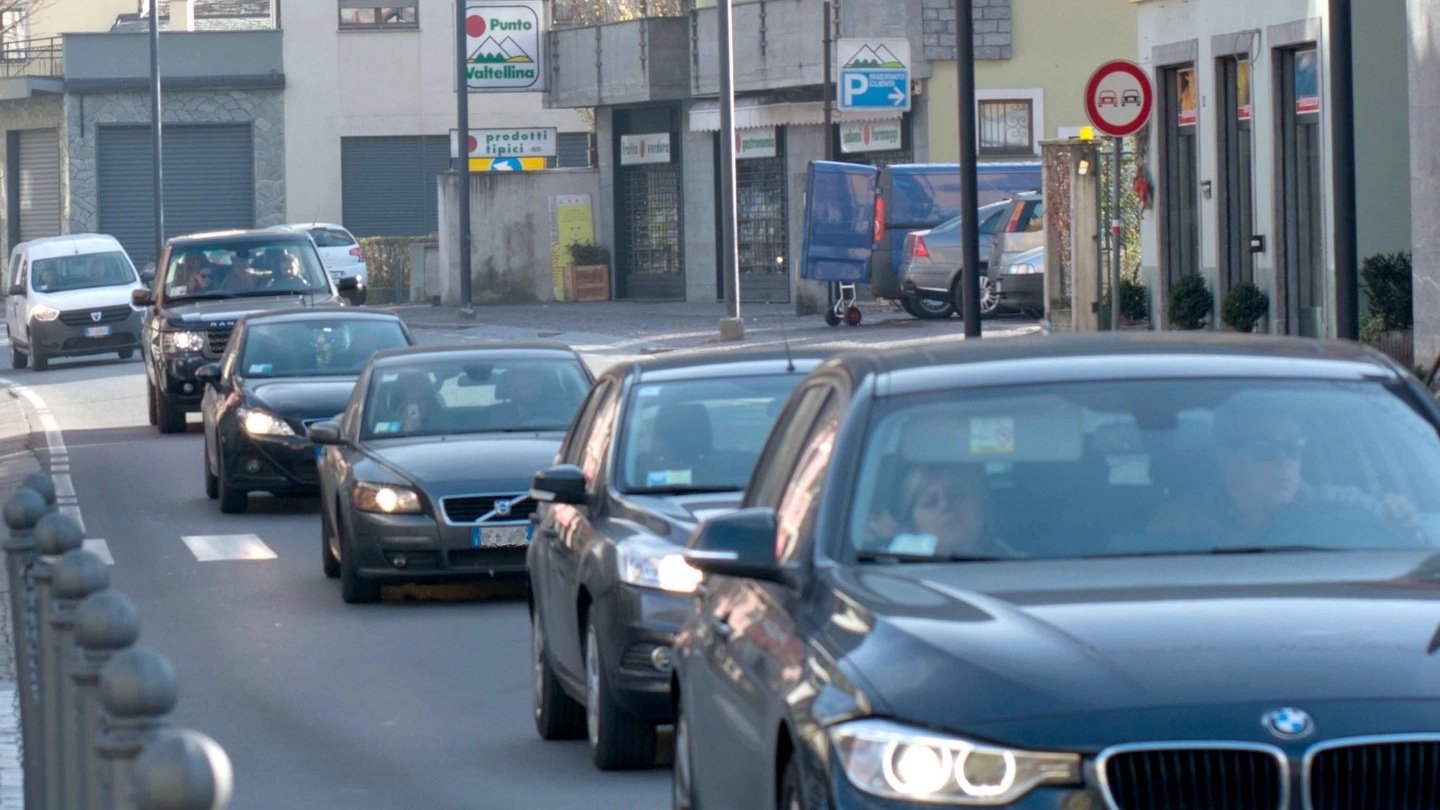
[[1024, 270], [182, 341], [40, 312], [260, 423], [656, 565], [386, 499], [893, 761]]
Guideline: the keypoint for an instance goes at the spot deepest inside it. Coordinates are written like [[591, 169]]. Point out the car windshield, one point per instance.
[[702, 434], [474, 394], [1145, 468], [322, 347], [83, 272], [330, 237], [282, 267]]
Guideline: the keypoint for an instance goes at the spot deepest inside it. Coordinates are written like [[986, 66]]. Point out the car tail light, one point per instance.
[[879, 218], [919, 251], [355, 251]]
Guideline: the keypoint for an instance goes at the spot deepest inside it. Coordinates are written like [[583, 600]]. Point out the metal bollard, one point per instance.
[[137, 692], [42, 483], [55, 535], [105, 623], [182, 770], [23, 510], [78, 574]]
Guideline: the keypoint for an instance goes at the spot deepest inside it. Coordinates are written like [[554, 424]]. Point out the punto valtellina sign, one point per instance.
[[504, 43]]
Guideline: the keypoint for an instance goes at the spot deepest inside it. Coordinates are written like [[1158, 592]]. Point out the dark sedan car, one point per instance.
[[425, 476], [281, 372], [1129, 572], [658, 446]]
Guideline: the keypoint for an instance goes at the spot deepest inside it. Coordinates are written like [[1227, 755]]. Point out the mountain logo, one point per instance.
[[506, 51], [868, 57]]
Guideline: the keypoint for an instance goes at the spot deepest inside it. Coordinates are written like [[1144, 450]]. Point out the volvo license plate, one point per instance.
[[97, 331], [500, 536]]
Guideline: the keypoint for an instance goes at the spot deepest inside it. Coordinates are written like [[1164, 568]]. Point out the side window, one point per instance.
[[992, 222], [801, 498], [598, 443], [232, 352], [772, 469], [24, 273], [13, 275], [570, 450]]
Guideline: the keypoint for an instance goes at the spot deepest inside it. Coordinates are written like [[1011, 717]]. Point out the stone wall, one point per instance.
[[993, 36], [1425, 176], [38, 112], [263, 109]]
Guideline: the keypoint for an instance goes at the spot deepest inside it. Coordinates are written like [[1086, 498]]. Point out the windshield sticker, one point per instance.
[[653, 391], [387, 427], [992, 434], [671, 478], [261, 368], [914, 544], [177, 289]]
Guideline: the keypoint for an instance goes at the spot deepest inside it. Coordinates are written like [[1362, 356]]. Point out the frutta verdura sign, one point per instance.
[[504, 47]]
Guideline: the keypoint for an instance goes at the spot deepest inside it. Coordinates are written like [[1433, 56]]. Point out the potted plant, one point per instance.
[[588, 276], [1245, 305], [1389, 298], [1191, 302], [1134, 301]]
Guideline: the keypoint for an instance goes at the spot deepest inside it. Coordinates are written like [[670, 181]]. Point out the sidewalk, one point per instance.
[[17, 460]]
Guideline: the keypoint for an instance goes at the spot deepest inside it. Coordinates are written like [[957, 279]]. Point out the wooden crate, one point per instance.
[[587, 282]]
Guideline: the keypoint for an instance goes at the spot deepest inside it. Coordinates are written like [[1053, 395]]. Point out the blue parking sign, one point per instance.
[[874, 74]]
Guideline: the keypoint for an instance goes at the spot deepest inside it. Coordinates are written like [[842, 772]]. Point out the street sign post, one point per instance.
[[874, 74], [1119, 99]]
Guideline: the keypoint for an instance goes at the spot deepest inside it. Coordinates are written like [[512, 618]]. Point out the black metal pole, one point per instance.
[[728, 238], [1342, 117], [1116, 227], [462, 149], [969, 195], [158, 177], [829, 87]]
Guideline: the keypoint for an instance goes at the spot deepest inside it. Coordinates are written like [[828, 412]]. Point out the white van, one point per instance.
[[70, 296]]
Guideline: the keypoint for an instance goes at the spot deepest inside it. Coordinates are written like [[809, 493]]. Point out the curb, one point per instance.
[[17, 460]]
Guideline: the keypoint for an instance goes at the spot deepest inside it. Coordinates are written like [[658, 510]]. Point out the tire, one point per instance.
[[329, 563], [617, 738], [353, 589], [853, 316], [169, 418], [232, 501], [126, 354], [38, 360], [212, 481], [557, 715], [831, 319], [926, 309], [150, 403], [682, 783], [359, 299], [792, 787], [989, 299], [18, 359]]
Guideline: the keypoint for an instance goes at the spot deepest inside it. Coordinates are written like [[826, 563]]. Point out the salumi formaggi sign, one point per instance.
[[504, 46]]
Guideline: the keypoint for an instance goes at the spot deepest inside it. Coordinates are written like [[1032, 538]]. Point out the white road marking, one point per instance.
[[100, 549], [64, 485], [73, 510], [218, 547]]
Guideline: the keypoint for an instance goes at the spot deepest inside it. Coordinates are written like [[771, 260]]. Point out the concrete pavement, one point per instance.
[[17, 460]]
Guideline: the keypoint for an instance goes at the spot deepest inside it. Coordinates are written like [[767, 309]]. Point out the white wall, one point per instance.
[[370, 83]]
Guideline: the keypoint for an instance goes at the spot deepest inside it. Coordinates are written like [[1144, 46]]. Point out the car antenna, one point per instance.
[[785, 339]]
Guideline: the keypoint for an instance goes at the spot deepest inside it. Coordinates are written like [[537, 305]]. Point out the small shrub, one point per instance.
[[1244, 306], [1191, 302], [1388, 285], [1134, 300], [1371, 328], [589, 253]]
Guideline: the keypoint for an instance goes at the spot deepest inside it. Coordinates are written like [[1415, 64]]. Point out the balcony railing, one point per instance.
[[577, 13], [33, 57]]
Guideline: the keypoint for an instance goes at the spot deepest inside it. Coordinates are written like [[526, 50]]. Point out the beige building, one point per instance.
[[1036, 90]]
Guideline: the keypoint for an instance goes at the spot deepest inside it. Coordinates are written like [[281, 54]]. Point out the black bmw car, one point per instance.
[[425, 476], [281, 372], [659, 445], [1136, 573]]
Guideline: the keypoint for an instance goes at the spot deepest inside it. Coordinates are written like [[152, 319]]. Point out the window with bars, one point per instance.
[[1007, 127], [14, 32], [356, 15], [762, 221]]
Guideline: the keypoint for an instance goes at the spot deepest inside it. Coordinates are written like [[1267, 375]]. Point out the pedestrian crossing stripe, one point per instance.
[[100, 549], [222, 547]]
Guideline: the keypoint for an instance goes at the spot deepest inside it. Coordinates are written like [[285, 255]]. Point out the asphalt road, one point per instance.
[[420, 702]]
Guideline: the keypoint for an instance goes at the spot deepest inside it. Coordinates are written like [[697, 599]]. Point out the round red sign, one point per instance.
[[1119, 98], [475, 26]]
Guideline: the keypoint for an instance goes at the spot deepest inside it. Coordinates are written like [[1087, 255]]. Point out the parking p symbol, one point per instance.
[[855, 85]]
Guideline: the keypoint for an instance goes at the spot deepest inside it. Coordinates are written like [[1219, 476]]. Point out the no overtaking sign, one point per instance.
[[1119, 98]]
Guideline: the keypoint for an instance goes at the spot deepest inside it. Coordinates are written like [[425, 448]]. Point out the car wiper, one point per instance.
[[681, 490], [1204, 552], [259, 293], [205, 296], [902, 557]]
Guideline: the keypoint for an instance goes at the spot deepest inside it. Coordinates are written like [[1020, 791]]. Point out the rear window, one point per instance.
[[331, 237], [999, 184], [323, 347]]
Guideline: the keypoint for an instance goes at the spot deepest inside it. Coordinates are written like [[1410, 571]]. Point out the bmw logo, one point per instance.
[[1288, 723], [502, 507]]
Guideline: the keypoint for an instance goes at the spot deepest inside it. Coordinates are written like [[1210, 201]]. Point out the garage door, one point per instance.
[[39, 183], [388, 184], [209, 183]]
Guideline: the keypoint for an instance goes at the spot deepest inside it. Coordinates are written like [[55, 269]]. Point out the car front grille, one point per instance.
[[84, 317], [215, 342], [470, 508], [1195, 779], [1398, 775]]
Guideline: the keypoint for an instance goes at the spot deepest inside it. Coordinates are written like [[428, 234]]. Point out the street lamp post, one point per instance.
[[1342, 92], [731, 326], [462, 151], [155, 148], [969, 195]]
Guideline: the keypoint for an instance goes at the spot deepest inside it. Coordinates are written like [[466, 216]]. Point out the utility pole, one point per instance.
[[1342, 158], [462, 150], [969, 195], [158, 176], [731, 326], [829, 96], [1116, 227]]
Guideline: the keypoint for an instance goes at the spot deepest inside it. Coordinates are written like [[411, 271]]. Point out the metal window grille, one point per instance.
[[651, 219], [762, 218], [1006, 127]]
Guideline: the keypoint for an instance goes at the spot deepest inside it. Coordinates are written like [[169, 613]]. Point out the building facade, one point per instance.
[[1424, 58], [1240, 148]]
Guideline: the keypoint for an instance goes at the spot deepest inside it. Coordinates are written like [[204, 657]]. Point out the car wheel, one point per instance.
[[989, 298], [682, 783], [212, 481], [329, 562], [792, 787], [126, 354], [353, 589], [358, 299], [168, 417], [38, 360], [150, 403], [18, 359], [618, 739], [926, 309], [232, 501], [557, 715]]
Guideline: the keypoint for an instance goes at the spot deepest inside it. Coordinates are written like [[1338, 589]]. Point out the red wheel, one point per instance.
[[852, 316]]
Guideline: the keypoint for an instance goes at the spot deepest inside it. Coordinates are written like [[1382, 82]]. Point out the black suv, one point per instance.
[[203, 284]]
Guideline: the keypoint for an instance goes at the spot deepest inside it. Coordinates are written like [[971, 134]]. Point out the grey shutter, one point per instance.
[[572, 150], [389, 184], [39, 183]]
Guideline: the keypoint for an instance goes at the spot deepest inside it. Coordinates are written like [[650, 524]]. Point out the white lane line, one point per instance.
[[219, 547], [64, 485], [100, 549], [73, 511]]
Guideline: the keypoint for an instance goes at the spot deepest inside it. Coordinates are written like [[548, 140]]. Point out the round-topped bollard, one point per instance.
[[42, 483], [138, 682], [24, 509], [107, 620], [182, 770], [56, 534], [79, 574]]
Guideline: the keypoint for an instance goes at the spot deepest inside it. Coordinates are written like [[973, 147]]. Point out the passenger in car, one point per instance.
[[941, 510], [202, 278]]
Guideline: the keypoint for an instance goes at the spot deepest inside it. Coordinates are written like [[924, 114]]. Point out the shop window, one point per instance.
[[1007, 128], [359, 16], [14, 31]]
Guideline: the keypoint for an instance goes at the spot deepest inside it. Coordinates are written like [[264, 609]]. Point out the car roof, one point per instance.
[[226, 238], [305, 226], [722, 363], [325, 313], [74, 244], [517, 348], [1100, 357]]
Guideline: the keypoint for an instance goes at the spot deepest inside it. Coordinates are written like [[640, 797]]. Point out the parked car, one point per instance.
[[69, 296], [1021, 228], [207, 281], [425, 475], [1020, 283], [340, 253], [281, 372], [1011, 575], [658, 446], [930, 265]]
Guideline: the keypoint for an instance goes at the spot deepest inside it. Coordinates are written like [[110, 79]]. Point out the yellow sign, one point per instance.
[[507, 164], [574, 222], [1087, 133]]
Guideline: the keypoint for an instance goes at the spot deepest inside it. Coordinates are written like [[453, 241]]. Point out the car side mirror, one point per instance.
[[17, 289], [563, 483], [326, 431], [142, 298], [740, 544], [209, 373]]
